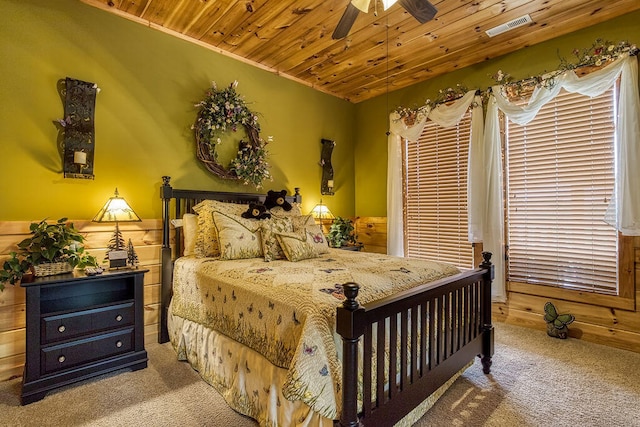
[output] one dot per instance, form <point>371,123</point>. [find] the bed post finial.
<point>165,180</point>
<point>351,293</point>
<point>296,195</point>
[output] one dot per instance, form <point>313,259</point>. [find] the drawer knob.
<point>61,359</point>
<point>61,328</point>
<point>119,344</point>
<point>119,318</point>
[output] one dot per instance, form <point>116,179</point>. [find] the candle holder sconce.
<point>77,127</point>
<point>327,184</point>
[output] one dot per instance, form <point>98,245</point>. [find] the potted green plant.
<point>342,233</point>
<point>51,249</point>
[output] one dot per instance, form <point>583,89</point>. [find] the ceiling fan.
<point>422,10</point>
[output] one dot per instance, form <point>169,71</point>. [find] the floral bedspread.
<point>286,310</point>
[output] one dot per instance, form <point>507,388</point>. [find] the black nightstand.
<point>82,326</point>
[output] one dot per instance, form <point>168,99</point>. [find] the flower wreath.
<point>221,111</point>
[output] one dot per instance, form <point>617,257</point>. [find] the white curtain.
<point>444,115</point>
<point>624,210</point>
<point>625,204</point>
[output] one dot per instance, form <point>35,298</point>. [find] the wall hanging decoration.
<point>77,127</point>
<point>222,111</point>
<point>326,186</point>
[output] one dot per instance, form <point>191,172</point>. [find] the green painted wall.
<point>372,115</point>
<point>149,84</point>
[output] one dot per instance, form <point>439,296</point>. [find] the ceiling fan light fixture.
<point>362,5</point>
<point>386,4</point>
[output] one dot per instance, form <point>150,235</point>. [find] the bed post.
<point>350,327</point>
<point>296,196</point>
<point>165,292</point>
<point>487,327</point>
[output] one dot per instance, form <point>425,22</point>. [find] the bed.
<point>301,343</point>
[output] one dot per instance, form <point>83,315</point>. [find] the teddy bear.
<point>256,211</point>
<point>277,198</point>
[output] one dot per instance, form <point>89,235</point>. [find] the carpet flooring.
<point>536,380</point>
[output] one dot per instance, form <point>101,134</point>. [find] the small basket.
<point>52,268</point>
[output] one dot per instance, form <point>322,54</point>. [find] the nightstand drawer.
<point>70,325</point>
<point>63,356</point>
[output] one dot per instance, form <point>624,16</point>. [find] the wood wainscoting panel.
<point>597,317</point>
<point>372,232</point>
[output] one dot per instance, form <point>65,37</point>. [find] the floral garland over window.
<point>412,115</point>
<point>600,52</point>
<point>221,111</point>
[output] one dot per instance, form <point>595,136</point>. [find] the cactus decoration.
<point>557,323</point>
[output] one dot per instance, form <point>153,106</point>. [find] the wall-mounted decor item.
<point>326,187</point>
<point>118,210</point>
<point>78,127</point>
<point>221,111</point>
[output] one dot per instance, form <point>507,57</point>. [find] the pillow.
<point>301,221</point>
<point>190,233</point>
<point>270,245</point>
<point>206,244</point>
<point>278,211</point>
<point>297,246</point>
<point>239,238</point>
<point>317,238</point>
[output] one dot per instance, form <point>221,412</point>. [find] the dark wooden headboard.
<point>182,202</point>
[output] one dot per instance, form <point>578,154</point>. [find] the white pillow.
<point>189,232</point>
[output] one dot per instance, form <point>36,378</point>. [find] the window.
<point>559,178</point>
<point>436,194</point>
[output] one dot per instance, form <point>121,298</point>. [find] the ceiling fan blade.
<point>422,10</point>
<point>348,18</point>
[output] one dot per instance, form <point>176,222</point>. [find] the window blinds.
<point>436,194</point>
<point>560,176</point>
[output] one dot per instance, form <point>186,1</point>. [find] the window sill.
<point>592,298</point>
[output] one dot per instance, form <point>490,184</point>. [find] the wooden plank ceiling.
<point>293,37</point>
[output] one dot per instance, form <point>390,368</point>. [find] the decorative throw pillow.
<point>316,236</point>
<point>270,245</point>
<point>278,211</point>
<point>190,233</point>
<point>297,246</point>
<point>239,238</point>
<point>301,221</point>
<point>206,239</point>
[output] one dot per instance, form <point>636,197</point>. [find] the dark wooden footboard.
<point>431,331</point>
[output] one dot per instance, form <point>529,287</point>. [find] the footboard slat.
<point>366,370</point>
<point>424,357</point>
<point>428,334</point>
<point>404,336</point>
<point>415,358</point>
<point>393,356</point>
<point>433,346</point>
<point>380,363</point>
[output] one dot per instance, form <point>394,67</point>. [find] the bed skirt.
<point>251,384</point>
